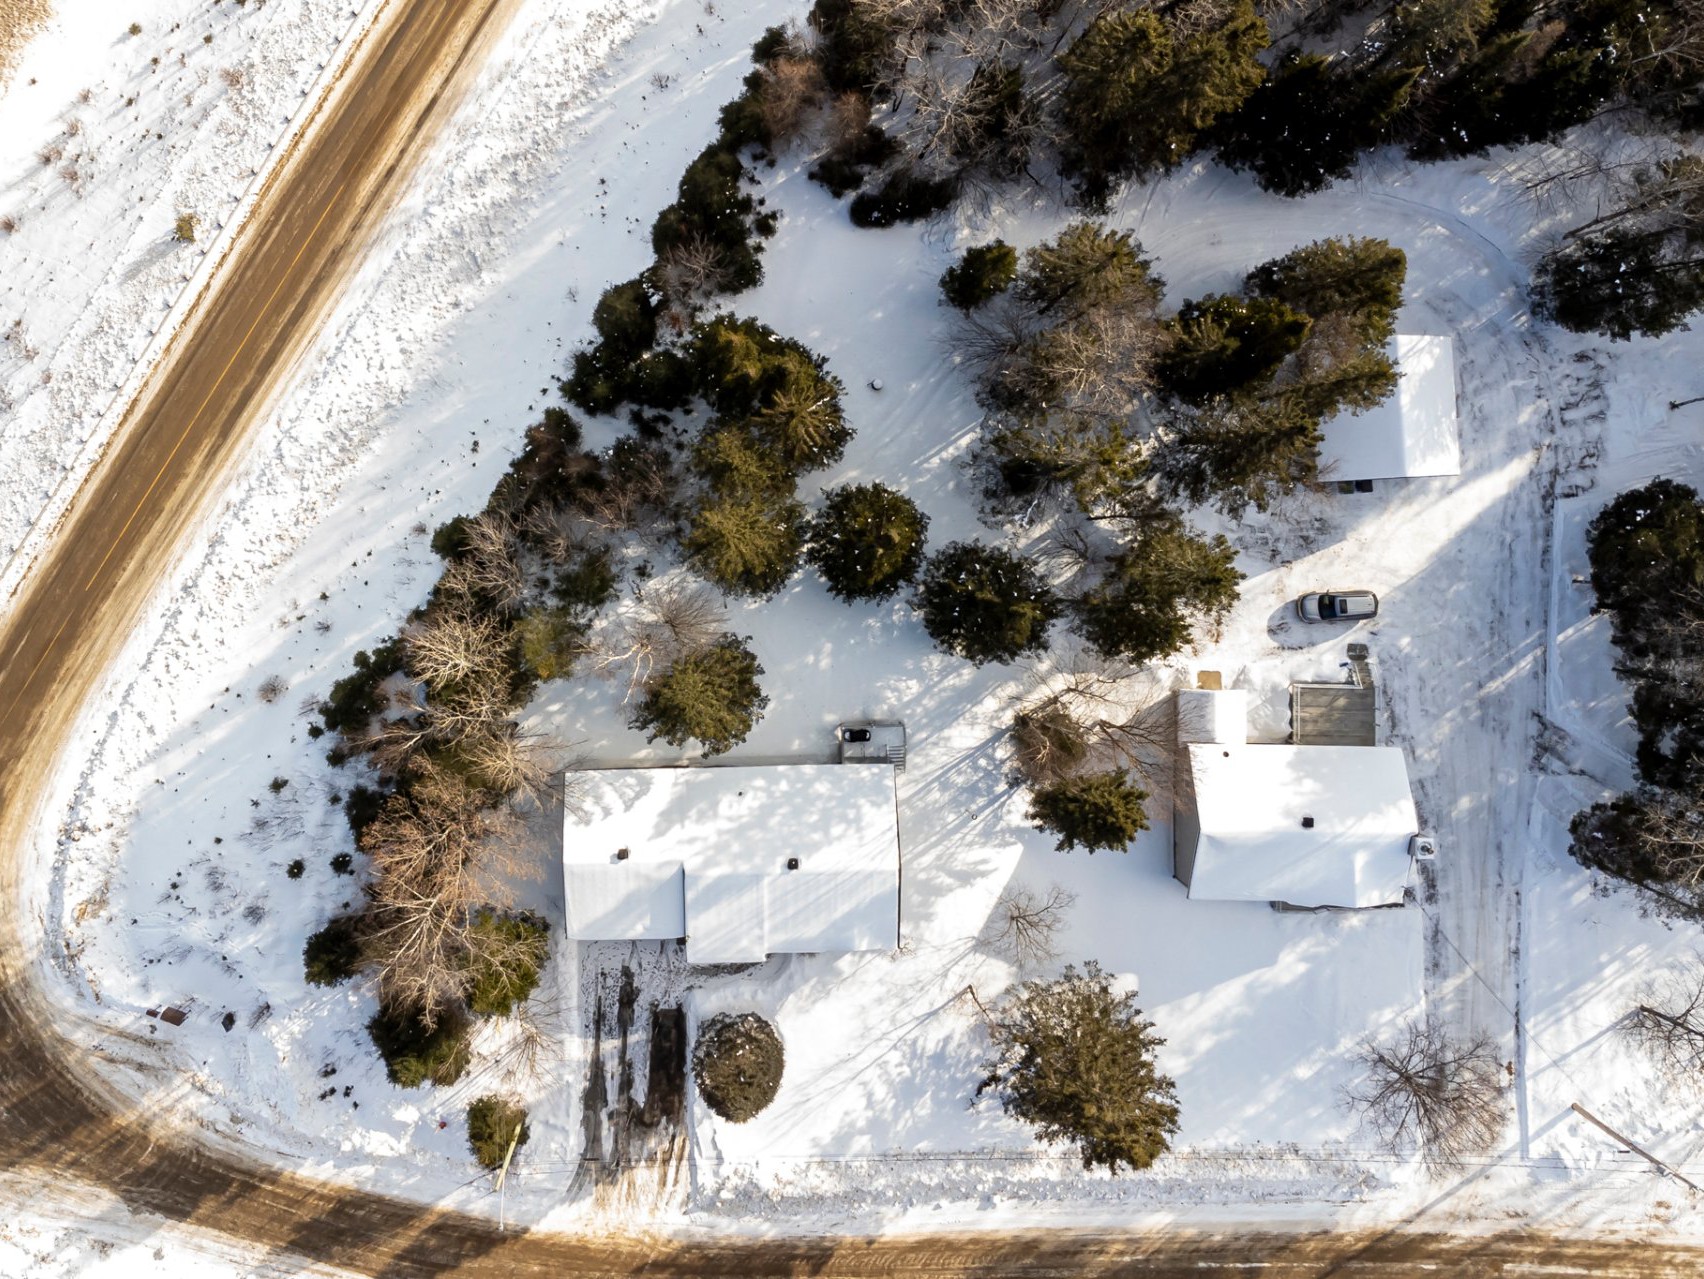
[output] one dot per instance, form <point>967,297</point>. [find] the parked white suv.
<point>1337,606</point>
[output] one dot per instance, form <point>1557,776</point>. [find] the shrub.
<point>550,640</point>
<point>334,953</point>
<point>450,539</point>
<point>361,806</point>
<point>492,1124</point>
<point>1096,811</point>
<point>713,208</point>
<point>355,698</point>
<point>711,696</point>
<point>867,541</point>
<point>985,604</point>
<point>296,869</point>
<point>415,1054</point>
<point>737,1065</point>
<point>343,863</point>
<point>506,954</point>
<point>983,273</point>
<point>906,196</point>
<point>183,230</point>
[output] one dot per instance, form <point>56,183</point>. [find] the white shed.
<point>1305,825</point>
<point>742,861</point>
<point>1413,433</point>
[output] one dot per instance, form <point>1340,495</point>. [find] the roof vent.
<point>621,854</point>
<point>792,863</point>
<point>1307,823</point>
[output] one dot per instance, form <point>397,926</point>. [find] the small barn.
<point>742,861</point>
<point>1299,825</point>
<point>1413,433</point>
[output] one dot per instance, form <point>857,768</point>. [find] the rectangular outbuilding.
<point>1413,433</point>
<point>742,861</point>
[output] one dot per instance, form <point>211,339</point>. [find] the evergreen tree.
<point>495,1126</point>
<point>985,604</point>
<point>746,545</point>
<point>1646,549</point>
<point>1085,268</point>
<point>1143,608</point>
<point>800,418</point>
<point>1619,281</point>
<point>1096,811</point>
<point>1138,93</point>
<point>984,272</point>
<point>1095,462</point>
<point>712,696</point>
<point>867,541</point>
<point>1305,126</point>
<point>1239,450</point>
<point>1075,1060</point>
<point>1360,279</point>
<point>713,208</point>
<point>1222,344</point>
<point>730,457</point>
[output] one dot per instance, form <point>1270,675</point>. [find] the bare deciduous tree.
<point>452,649</point>
<point>437,854</point>
<point>1093,714</point>
<point>670,622</point>
<point>1424,1087</point>
<point>489,568</point>
<point>1026,924</point>
<point>1668,1022</point>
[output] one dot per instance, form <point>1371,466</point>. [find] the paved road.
<point>68,621</point>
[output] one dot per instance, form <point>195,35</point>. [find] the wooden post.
<point>1634,1146</point>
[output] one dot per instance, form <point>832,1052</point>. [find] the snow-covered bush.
<point>737,1064</point>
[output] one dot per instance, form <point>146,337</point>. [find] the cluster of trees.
<point>1647,558</point>
<point>433,713</point>
<point>1293,90</point>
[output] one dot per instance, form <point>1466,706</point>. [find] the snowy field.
<point>166,880</point>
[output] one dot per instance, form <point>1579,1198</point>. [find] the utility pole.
<point>1634,1146</point>
<point>503,1176</point>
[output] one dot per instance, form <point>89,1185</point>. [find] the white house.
<point>1413,433</point>
<point>1304,825</point>
<point>743,862</point>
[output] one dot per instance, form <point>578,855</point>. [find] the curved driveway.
<point>67,623</point>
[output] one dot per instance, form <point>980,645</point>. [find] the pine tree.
<point>1646,548</point>
<point>711,696</point>
<point>736,464</point>
<point>1138,94</point>
<point>867,541</point>
<point>1240,451</point>
<point>1075,1060</point>
<point>983,272</point>
<point>1096,811</point>
<point>1307,124</point>
<point>746,545</point>
<point>1221,344</point>
<point>1360,279</point>
<point>1143,607</point>
<point>985,604</point>
<point>1619,281</point>
<point>1086,267</point>
<point>799,417</point>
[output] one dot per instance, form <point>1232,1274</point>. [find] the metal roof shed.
<point>742,861</point>
<point>1304,825</point>
<point>1413,433</point>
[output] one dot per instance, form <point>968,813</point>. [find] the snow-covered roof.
<point>1411,434</point>
<point>1212,715</point>
<point>707,851</point>
<point>1251,802</point>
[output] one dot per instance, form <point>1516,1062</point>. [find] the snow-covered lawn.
<point>167,881</point>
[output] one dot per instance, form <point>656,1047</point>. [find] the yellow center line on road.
<point>229,364</point>
<point>44,652</point>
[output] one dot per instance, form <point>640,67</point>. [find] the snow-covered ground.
<point>166,882</point>
<point>113,127</point>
